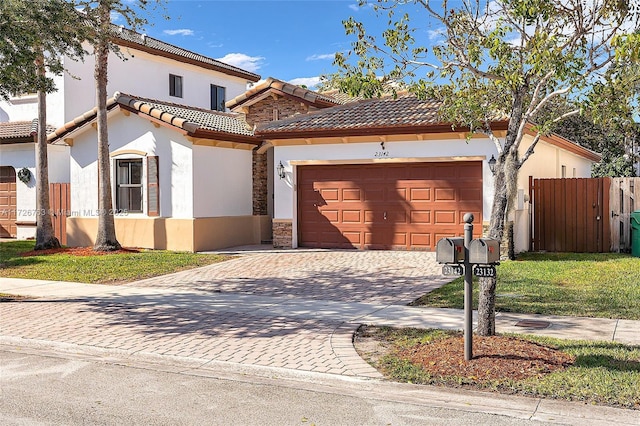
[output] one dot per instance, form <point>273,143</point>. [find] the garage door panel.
<point>445,194</point>
<point>352,216</point>
<point>445,217</point>
<point>469,172</point>
<point>354,237</point>
<point>444,171</point>
<point>374,195</point>
<point>331,215</point>
<point>423,202</point>
<point>421,217</point>
<point>329,194</point>
<point>351,194</point>
<point>420,194</point>
<point>420,240</point>
<point>395,217</point>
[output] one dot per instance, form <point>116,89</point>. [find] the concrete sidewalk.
<point>576,328</point>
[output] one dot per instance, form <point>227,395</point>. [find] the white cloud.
<point>321,57</point>
<point>309,82</point>
<point>355,7</point>
<point>246,62</point>
<point>182,31</point>
<point>435,34</point>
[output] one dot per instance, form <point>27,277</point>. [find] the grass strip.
<point>576,284</point>
<point>110,268</point>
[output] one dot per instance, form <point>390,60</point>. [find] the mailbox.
<point>484,251</point>
<point>450,250</point>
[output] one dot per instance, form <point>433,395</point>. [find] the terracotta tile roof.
<point>405,114</point>
<point>78,122</point>
<point>341,98</point>
<point>283,88</point>
<point>129,38</point>
<point>196,122</point>
<point>19,131</point>
<point>188,118</point>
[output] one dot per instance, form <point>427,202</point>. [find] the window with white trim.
<point>129,185</point>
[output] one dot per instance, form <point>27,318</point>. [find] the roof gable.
<point>278,87</point>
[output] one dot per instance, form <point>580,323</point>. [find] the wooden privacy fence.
<point>60,203</point>
<point>590,215</point>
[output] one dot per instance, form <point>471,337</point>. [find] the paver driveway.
<point>338,275</point>
<point>293,309</point>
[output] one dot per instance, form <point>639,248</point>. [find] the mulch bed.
<point>496,357</point>
<point>77,251</point>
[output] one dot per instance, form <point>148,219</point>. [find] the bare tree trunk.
<point>505,185</point>
<point>106,238</point>
<point>45,238</point>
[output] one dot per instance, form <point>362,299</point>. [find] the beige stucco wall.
<point>175,234</point>
<point>152,233</point>
<point>213,233</point>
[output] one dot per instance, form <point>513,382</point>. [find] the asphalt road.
<point>50,387</point>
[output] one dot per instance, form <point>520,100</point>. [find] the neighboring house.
<point>387,174</point>
<point>18,211</point>
<point>147,67</point>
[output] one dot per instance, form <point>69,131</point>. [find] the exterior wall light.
<point>492,165</point>
<point>280,170</point>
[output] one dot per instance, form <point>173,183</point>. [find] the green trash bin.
<point>635,233</point>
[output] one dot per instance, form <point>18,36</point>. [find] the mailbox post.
<point>468,257</point>
<point>468,289</point>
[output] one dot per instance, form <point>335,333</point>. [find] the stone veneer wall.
<point>262,111</point>
<point>282,233</point>
<point>260,188</point>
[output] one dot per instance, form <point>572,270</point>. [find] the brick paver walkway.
<point>240,311</point>
<point>341,275</point>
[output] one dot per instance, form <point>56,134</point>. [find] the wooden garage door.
<point>7,202</point>
<point>387,206</point>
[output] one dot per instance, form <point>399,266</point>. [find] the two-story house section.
<point>146,67</point>
<point>154,69</point>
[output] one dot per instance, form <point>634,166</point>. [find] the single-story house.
<point>388,174</point>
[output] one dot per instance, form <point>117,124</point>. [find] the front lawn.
<point>574,284</point>
<point>595,372</point>
<point>108,268</point>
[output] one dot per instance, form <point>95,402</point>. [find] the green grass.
<point>576,284</point>
<point>112,268</point>
<point>603,372</point>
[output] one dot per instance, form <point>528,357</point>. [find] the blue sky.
<point>292,40</point>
